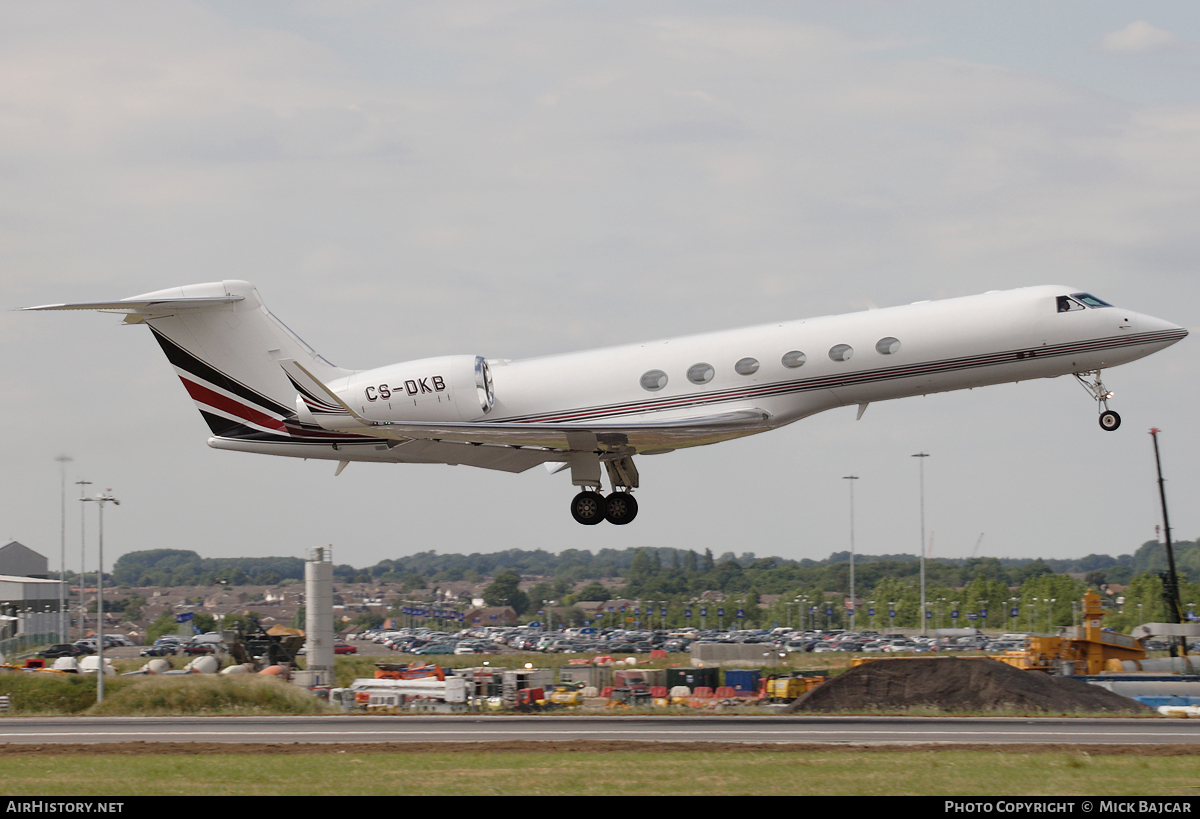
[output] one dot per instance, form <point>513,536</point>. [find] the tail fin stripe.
<point>185,361</point>
<point>203,395</point>
<point>223,427</point>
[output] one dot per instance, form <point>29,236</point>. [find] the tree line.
<point>649,570</point>
<point>1024,594</point>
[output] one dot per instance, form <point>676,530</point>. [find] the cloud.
<point>1140,36</point>
<point>519,178</point>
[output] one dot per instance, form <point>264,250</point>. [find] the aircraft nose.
<point>1159,332</point>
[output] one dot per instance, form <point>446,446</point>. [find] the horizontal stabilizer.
<point>144,306</point>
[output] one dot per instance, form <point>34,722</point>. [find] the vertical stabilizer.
<point>225,346</point>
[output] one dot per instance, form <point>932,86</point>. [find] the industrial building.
<point>29,599</point>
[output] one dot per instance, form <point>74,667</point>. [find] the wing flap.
<point>628,437</point>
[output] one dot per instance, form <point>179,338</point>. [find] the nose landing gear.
<point>1109,420</point>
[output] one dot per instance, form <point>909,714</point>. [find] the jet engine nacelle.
<point>447,388</point>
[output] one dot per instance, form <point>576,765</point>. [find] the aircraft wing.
<point>624,437</point>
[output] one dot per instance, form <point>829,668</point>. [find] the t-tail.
<point>227,349</point>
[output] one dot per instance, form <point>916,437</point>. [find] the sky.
<point>512,178</point>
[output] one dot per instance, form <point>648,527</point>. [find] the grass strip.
<point>482,771</point>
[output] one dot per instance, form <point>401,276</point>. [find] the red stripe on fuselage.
<point>203,395</point>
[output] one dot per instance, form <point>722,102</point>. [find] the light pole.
<point>853,602</point>
<point>100,499</point>
<point>924,620</point>
<point>82,561</point>
<point>64,622</point>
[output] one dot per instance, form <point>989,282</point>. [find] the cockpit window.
<point>1066,304</point>
<point>1090,300</point>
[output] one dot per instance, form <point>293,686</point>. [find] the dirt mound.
<point>960,684</point>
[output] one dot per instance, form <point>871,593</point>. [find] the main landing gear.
<point>590,507</point>
<point>1109,420</point>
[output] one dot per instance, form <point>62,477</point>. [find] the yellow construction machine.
<point>1078,650</point>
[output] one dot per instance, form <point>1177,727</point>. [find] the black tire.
<point>588,508</point>
<point>620,508</point>
<point>1109,420</point>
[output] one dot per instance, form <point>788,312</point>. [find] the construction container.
<point>639,678</point>
<point>513,681</point>
<point>594,676</point>
<point>482,681</point>
<point>709,677</point>
<point>742,680</point>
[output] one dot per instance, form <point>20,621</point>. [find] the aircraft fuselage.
<point>261,389</point>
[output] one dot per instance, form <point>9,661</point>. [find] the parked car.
<point>203,644</point>
<point>60,650</point>
<point>161,650</point>
<point>342,647</point>
<point>434,648</point>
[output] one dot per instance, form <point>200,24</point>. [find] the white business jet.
<point>261,389</point>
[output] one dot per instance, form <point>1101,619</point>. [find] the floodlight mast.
<point>100,499</point>
<point>924,618</point>
<point>82,559</point>
<point>64,621</point>
<point>853,601</point>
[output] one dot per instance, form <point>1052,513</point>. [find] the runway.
<point>492,729</point>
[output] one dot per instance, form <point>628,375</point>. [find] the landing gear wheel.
<point>588,508</point>
<point>620,508</point>
<point>1109,420</point>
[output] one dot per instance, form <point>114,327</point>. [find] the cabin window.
<point>841,352</point>
<point>1090,300</point>
<point>1066,304</point>
<point>654,380</point>
<point>794,359</point>
<point>701,373</point>
<point>887,346</point>
<point>747,366</point>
